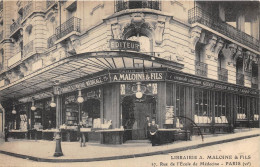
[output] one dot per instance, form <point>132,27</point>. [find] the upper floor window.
<point>145,45</point>
<point>133,4</point>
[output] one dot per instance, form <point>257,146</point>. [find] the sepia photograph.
<point>129,83</point>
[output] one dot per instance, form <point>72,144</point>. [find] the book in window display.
<point>71,114</point>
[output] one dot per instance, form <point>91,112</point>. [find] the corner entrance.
<point>134,113</point>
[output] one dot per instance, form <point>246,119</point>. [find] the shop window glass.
<point>254,113</point>
<point>91,113</point>
<point>241,108</point>
<point>71,110</point>
<point>50,116</point>
<point>37,116</point>
<point>203,112</point>
<point>180,102</point>
<point>221,113</point>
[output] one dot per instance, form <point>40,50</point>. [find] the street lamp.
<point>80,99</point>
<point>53,104</point>
<point>56,91</point>
<point>13,111</point>
<point>33,108</point>
<point>139,93</point>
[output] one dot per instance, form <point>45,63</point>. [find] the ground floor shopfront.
<point>116,104</point>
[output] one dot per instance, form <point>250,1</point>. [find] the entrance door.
<point>134,116</point>
<point>141,111</point>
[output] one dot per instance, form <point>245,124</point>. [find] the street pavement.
<point>247,151</point>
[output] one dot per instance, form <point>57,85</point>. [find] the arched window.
<point>145,43</point>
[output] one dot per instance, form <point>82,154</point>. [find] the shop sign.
<point>197,81</point>
<point>88,83</point>
<point>74,87</point>
<point>117,44</point>
<point>150,76</point>
<point>97,81</point>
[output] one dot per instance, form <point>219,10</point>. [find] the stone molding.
<point>195,33</point>
<point>152,27</point>
<point>208,49</point>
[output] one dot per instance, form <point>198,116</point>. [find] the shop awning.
<point>77,66</point>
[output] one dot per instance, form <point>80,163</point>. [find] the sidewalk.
<point>43,150</point>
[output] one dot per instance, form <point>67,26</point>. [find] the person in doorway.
<point>153,133</point>
<point>6,133</point>
<point>146,127</point>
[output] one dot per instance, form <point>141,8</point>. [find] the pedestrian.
<point>153,133</point>
<point>146,127</point>
<point>6,133</point>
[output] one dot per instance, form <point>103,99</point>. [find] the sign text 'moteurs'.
<point>116,44</point>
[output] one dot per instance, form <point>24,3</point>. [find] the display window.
<point>37,116</point>
<point>71,110</point>
<point>221,109</point>
<point>91,113</point>
<point>254,110</point>
<point>203,109</point>
<point>241,102</point>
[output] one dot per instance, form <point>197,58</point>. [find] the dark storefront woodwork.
<point>117,102</point>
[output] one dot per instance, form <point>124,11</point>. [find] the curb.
<point>126,156</point>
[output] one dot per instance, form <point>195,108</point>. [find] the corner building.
<point>192,65</point>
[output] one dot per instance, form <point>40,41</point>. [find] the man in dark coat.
<point>153,133</point>
<point>146,127</point>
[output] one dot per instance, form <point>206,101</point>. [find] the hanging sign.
<point>117,44</point>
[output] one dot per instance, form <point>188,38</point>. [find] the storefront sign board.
<point>209,84</point>
<point>117,44</point>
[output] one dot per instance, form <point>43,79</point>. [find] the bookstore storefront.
<point>112,106</point>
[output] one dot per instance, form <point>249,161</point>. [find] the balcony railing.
<point>201,69</point>
<point>28,9</point>
<point>203,17</point>
<point>49,3</point>
<point>73,24</point>
<point>254,82</point>
<point>1,35</point>
<point>28,48</point>
<point>123,4</point>
<point>16,25</point>
<point>240,79</point>
<point>51,40</point>
<point>222,74</point>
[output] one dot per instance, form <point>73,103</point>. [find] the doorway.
<point>134,113</point>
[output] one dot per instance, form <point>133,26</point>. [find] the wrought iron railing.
<point>28,9</point>
<point>1,35</point>
<point>28,48</point>
<point>201,69</point>
<point>49,3</point>
<point>16,25</point>
<point>128,4</point>
<point>1,5</point>
<point>254,82</point>
<point>51,40</point>
<point>240,79</point>
<point>203,17</point>
<point>73,24</point>
<point>222,74</point>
